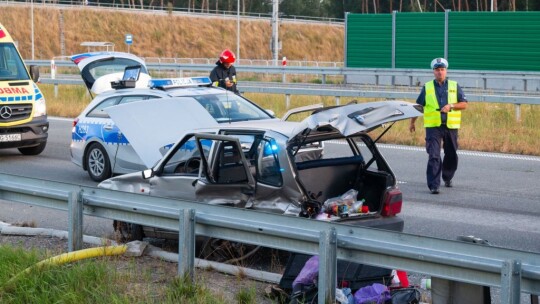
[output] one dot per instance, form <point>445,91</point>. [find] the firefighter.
<point>224,74</point>
<point>443,100</point>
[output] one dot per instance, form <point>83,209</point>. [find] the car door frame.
<point>208,190</point>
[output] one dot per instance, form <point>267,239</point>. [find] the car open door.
<point>225,177</point>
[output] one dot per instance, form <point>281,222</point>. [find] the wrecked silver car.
<point>273,166</point>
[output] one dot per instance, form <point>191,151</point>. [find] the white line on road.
<point>469,153</point>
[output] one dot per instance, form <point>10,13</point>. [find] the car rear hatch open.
<point>99,69</point>
<point>347,157</point>
<point>355,118</point>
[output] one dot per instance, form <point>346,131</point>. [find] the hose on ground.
<point>70,257</point>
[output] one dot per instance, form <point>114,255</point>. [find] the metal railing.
<point>516,88</point>
<point>490,81</point>
<point>512,270</point>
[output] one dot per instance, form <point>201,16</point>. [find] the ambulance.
<point>23,115</point>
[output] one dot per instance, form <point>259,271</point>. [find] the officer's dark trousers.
<point>448,166</point>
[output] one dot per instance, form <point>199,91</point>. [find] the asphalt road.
<point>495,196</point>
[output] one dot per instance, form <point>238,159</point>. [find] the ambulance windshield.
<point>11,65</point>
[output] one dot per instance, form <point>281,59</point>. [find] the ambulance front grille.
<point>14,112</point>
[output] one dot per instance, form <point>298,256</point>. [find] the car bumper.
<point>32,134</point>
<point>392,223</point>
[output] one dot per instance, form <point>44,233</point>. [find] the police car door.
<point>224,177</point>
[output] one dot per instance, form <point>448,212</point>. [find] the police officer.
<point>224,74</point>
<point>443,100</point>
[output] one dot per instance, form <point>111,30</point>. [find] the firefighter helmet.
<point>227,56</point>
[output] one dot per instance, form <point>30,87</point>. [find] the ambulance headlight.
<point>39,108</point>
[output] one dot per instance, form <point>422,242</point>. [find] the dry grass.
<point>71,100</point>
<point>168,36</point>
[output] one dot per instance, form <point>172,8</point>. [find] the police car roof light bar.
<point>168,83</point>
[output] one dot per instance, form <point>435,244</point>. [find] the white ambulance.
<point>23,115</point>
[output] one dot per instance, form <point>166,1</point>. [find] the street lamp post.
<point>238,30</point>
<point>32,27</point>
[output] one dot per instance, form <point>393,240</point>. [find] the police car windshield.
<point>11,65</point>
<point>231,107</point>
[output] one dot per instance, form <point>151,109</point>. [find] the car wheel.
<point>226,252</point>
<point>33,150</point>
<point>127,232</point>
<point>97,163</point>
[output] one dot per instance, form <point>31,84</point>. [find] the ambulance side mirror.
<point>34,73</point>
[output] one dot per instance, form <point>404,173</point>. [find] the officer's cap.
<point>439,63</point>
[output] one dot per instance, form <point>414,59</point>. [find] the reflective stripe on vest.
<point>432,117</point>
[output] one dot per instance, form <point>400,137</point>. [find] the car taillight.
<point>75,122</point>
<point>393,200</point>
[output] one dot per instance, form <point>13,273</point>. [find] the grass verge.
<point>104,280</point>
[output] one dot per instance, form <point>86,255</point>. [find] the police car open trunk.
<point>338,166</point>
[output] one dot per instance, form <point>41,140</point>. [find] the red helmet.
<point>227,56</point>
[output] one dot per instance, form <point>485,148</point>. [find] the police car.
<point>99,146</point>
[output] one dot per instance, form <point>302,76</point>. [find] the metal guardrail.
<point>521,82</point>
<point>376,83</point>
<point>511,270</point>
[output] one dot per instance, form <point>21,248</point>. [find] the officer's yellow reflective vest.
<point>432,117</point>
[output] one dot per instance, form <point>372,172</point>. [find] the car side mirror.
<point>148,173</point>
<point>34,73</point>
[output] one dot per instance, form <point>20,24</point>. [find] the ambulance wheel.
<point>97,163</point>
<point>127,232</point>
<point>33,150</point>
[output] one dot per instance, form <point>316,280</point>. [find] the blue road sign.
<point>129,39</point>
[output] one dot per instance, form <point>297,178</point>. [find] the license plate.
<point>10,137</point>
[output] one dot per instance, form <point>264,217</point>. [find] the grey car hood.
<point>152,124</point>
<point>356,118</point>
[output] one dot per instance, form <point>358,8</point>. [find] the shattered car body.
<point>273,166</point>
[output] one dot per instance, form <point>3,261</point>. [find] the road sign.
<point>129,39</point>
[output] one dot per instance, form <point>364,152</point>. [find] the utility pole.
<point>275,35</point>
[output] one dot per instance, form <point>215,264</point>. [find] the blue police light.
<point>270,148</point>
<point>166,83</point>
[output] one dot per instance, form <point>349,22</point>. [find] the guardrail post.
<point>186,244</point>
<point>327,266</point>
<point>338,100</point>
<point>511,282</point>
<point>323,78</point>
<point>75,221</point>
<point>287,101</point>
<point>517,106</point>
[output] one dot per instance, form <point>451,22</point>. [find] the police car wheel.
<point>192,165</point>
<point>33,150</point>
<point>97,163</point>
